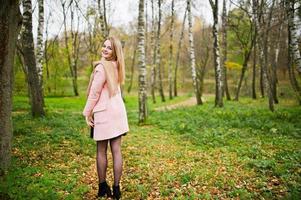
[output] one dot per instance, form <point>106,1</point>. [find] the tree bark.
<point>39,50</point>
<point>224,35</point>
<point>10,20</point>
<point>158,60</point>
<point>262,46</point>
<point>178,54</point>
<point>170,66</point>
<point>103,27</point>
<point>291,50</point>
<point>154,56</point>
<point>254,71</point>
<point>142,68</point>
<point>247,54</point>
<point>192,55</point>
<point>290,6</point>
<point>254,21</point>
<point>216,53</point>
<point>70,53</point>
<point>36,93</point>
<point>132,70</point>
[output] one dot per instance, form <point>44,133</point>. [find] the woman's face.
<point>107,50</point>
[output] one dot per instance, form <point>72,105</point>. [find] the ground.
<point>183,151</point>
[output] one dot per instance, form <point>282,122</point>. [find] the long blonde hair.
<point>118,56</point>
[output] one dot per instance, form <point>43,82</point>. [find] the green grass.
<point>266,143</point>
<point>240,151</point>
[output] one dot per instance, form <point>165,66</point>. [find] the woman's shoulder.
<point>101,64</point>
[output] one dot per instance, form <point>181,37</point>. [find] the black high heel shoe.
<point>104,190</point>
<point>116,192</point>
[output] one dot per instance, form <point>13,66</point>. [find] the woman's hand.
<point>90,121</point>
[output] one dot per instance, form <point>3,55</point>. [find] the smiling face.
<point>107,50</point>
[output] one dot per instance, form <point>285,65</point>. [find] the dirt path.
<point>189,102</point>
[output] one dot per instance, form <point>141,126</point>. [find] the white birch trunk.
<point>142,68</point>
<point>36,93</point>
<point>40,48</point>
<point>170,66</point>
<point>294,34</point>
<point>154,56</point>
<point>192,54</point>
<point>158,60</point>
<point>216,53</point>
<point>178,54</point>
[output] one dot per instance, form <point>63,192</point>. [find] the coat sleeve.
<point>95,90</point>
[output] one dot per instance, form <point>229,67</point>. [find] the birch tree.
<point>102,18</point>
<point>254,21</point>
<point>192,54</point>
<point>10,21</point>
<point>225,48</point>
<point>40,49</point>
<point>142,68</point>
<point>154,55</point>
<point>178,54</point>
<point>132,67</point>
<point>291,16</point>
<point>72,54</point>
<point>170,66</point>
<point>292,54</point>
<point>263,26</point>
<point>158,60</point>
<point>216,53</point>
<point>36,94</point>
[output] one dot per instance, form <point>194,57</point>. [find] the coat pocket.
<point>100,117</point>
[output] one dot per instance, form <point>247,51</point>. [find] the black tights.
<point>102,162</point>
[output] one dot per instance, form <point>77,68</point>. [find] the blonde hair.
<point>118,56</point>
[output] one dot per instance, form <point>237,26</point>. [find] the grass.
<point>241,151</point>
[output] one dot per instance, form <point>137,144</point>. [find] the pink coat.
<point>110,118</point>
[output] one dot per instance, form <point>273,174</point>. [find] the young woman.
<point>105,112</point>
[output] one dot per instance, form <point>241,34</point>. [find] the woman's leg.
<point>117,159</point>
<point>101,160</point>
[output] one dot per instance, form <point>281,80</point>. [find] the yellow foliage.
<point>233,65</point>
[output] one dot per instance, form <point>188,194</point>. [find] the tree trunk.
<point>254,71</point>
<point>39,50</point>
<point>154,47</point>
<point>70,58</point>
<point>10,20</point>
<point>224,35</point>
<point>263,45</point>
<point>192,55</point>
<point>291,49</point>
<point>132,70</point>
<point>202,71</point>
<point>158,61</point>
<point>275,64</point>
<point>46,56</point>
<point>146,34</point>
<point>243,70</point>
<point>142,67</point>
<point>102,17</point>
<point>254,21</point>
<point>178,54</point>
<point>261,82</point>
<point>217,65</point>
<point>36,93</point>
<point>170,66</point>
<point>290,6</point>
